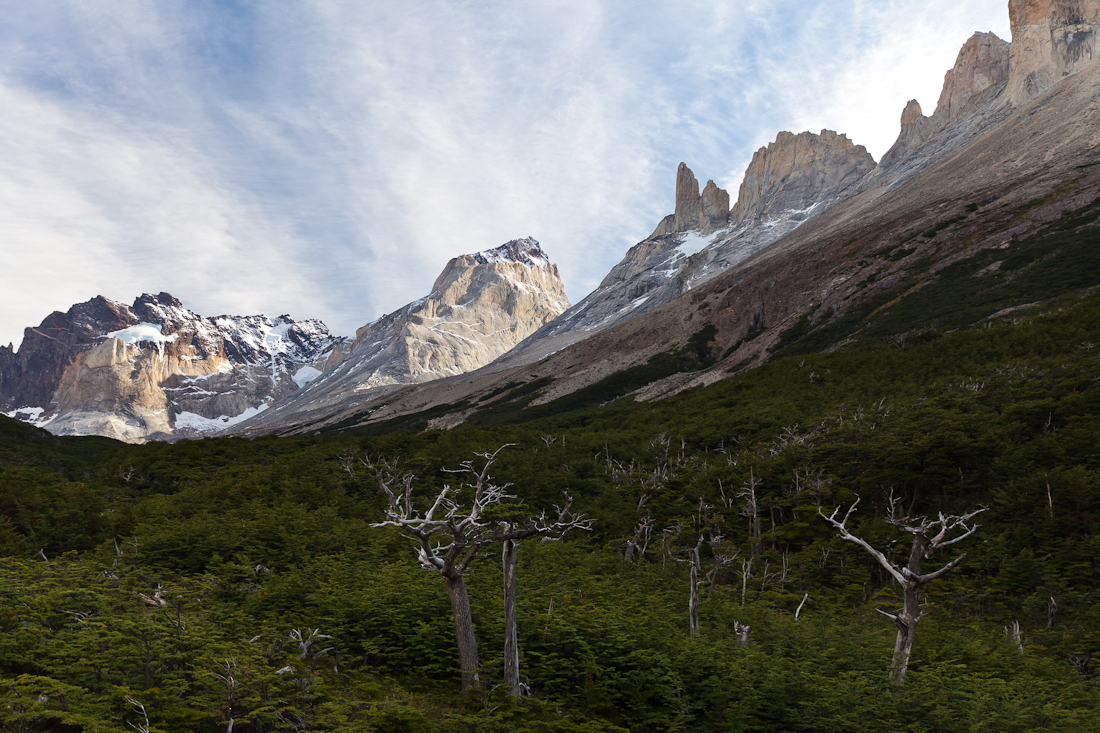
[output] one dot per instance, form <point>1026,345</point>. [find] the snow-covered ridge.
<point>525,251</point>
<point>244,340</point>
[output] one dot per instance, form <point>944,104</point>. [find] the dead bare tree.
<point>708,533</point>
<point>449,535</point>
<point>751,511</point>
<point>638,544</point>
<point>929,536</point>
<point>453,531</point>
<point>510,533</point>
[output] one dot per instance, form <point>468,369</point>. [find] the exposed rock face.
<point>1051,39</point>
<point>480,306</point>
<point>716,207</point>
<point>976,150</point>
<point>705,213</point>
<point>30,377</point>
<point>798,172</point>
<point>915,131</point>
<point>789,181</point>
<point>981,64</point>
<point>156,369</point>
<point>971,101</point>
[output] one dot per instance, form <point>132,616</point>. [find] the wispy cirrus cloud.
<point>327,158</point>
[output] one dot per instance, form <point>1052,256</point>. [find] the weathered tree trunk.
<point>906,622</point>
<point>511,644</point>
<point>757,533</point>
<point>910,614</point>
<point>464,629</point>
<point>693,600</point>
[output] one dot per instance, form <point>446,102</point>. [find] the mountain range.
<point>822,247</point>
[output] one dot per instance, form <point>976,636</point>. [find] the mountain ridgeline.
<point>158,371</point>
<point>747,445</point>
<point>823,247</point>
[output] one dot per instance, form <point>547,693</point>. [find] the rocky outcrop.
<point>156,369</point>
<point>705,213</point>
<point>982,63</point>
<point>790,181</point>
<point>480,306</point>
<point>798,172</point>
<point>29,377</point>
<point>970,102</point>
<point>916,129</point>
<point>1051,39</point>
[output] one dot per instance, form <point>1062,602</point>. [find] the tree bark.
<point>907,632</point>
<point>511,644</point>
<point>910,614</point>
<point>693,600</point>
<point>464,629</point>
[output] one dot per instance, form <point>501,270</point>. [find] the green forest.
<point>232,584</point>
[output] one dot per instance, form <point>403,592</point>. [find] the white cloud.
<point>326,159</point>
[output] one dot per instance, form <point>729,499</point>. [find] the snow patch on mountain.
<point>144,332</point>
<point>305,375</point>
<point>30,415</point>
<point>200,424</point>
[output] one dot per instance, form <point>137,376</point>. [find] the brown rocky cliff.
<point>687,188</point>
<point>980,69</point>
<point>916,129</point>
<point>716,203</point>
<point>797,172</point>
<point>981,64</point>
<point>1051,39</point>
<point>30,378</point>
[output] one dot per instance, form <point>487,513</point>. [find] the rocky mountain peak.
<point>474,276</point>
<point>706,213</point>
<point>912,114</point>
<point>526,251</point>
<point>1051,39</point>
<point>982,63</point>
<point>797,172</point>
<point>481,306</point>
<point>155,369</point>
<point>687,188</point>
<point>716,206</point>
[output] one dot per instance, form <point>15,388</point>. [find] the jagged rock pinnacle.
<point>706,213</point>
<point>687,188</point>
<point>982,63</point>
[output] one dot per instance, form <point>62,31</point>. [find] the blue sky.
<point>326,158</point>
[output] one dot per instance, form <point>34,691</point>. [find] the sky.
<point>326,158</point>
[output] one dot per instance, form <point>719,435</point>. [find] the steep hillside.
<point>787,183</point>
<point>988,205</point>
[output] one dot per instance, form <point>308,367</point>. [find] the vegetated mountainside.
<point>155,370</point>
<point>480,306</point>
<point>247,584</point>
<point>989,204</point>
<point>124,593</point>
